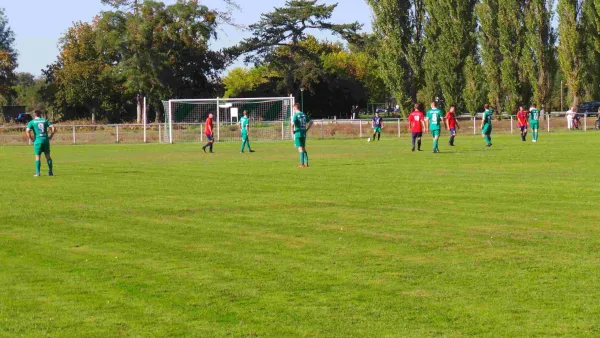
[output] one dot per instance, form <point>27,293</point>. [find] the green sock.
<point>435,144</point>
<point>248,143</point>
<point>49,165</point>
<point>243,146</point>
<point>38,166</point>
<point>487,139</point>
<point>537,135</point>
<point>301,158</point>
<point>305,158</point>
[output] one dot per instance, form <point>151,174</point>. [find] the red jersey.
<point>209,126</point>
<point>451,118</point>
<point>522,117</point>
<point>415,118</point>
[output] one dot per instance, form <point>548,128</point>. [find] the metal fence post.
<point>159,134</point>
<point>201,133</point>
<point>117,128</point>
<point>322,129</point>
<point>474,125</point>
<point>548,120</point>
<point>585,122</point>
<point>74,135</point>
<point>398,127</point>
<point>511,124</point>
<point>282,131</point>
<point>145,118</point>
<point>360,127</point>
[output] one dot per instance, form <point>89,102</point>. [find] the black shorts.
<point>419,134</point>
<point>209,137</point>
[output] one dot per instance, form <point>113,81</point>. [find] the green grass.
<point>370,241</point>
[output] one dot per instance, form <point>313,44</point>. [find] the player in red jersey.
<point>522,120</point>
<point>416,119</point>
<point>208,131</point>
<point>452,123</point>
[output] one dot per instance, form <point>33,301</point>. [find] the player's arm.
<point>29,134</point>
<point>52,131</point>
<point>426,123</point>
<point>309,125</point>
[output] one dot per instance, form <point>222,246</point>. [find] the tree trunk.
<point>140,107</point>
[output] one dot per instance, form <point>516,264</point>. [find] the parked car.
<point>23,118</point>
<point>590,108</point>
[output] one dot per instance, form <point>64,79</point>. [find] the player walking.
<point>416,119</point>
<point>435,118</point>
<point>41,140</point>
<point>300,125</point>
<point>244,126</point>
<point>522,115</point>
<point>452,124</point>
<point>534,122</point>
<point>377,124</point>
<point>208,131</point>
<point>486,125</point>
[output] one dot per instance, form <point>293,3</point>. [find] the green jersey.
<point>244,121</point>
<point>487,117</point>
<point>300,121</point>
<point>435,117</point>
<point>40,128</point>
<point>534,115</point>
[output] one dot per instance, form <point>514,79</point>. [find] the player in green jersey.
<point>433,121</point>
<point>245,127</point>
<point>486,125</point>
<point>300,125</point>
<point>37,131</point>
<point>534,122</point>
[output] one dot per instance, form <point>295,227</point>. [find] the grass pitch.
<point>370,241</point>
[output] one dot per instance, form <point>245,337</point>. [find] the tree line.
<point>460,52</point>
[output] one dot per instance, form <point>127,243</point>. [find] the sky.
<point>39,24</point>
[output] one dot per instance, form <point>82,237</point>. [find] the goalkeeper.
<point>244,126</point>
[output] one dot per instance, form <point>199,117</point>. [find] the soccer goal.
<point>269,118</point>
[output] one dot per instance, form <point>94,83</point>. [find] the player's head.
<point>452,108</point>
<point>416,107</point>
<point>533,105</point>
<point>245,113</point>
<point>377,114</point>
<point>37,113</point>
<point>296,107</point>
<point>433,104</point>
<point>521,108</point>
<point>210,115</point>
<point>486,106</point>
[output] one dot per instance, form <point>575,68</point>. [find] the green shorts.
<point>377,130</point>
<point>486,130</point>
<point>41,147</point>
<point>534,125</point>
<point>299,140</point>
<point>244,135</point>
<point>435,133</point>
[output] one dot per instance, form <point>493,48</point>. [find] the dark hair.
<point>434,104</point>
<point>486,106</point>
<point>452,106</point>
<point>416,106</point>
<point>37,113</point>
<point>297,106</point>
<point>533,105</point>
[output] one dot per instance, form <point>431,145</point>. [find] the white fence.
<point>260,131</point>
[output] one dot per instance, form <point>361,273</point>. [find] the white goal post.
<point>269,118</point>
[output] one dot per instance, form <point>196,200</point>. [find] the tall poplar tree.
<point>571,52</point>
<point>489,40</point>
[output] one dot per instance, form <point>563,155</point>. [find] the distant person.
<point>416,120</point>
<point>534,122</point>
<point>452,124</point>
<point>37,131</point>
<point>245,127</point>
<point>522,116</point>
<point>300,125</point>
<point>208,131</point>
<point>377,124</point>
<point>570,114</point>
<point>435,118</point>
<point>486,125</point>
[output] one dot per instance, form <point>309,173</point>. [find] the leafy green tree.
<point>8,57</point>
<point>450,39</point>
<point>399,32</point>
<point>475,90</point>
<point>243,80</point>
<point>571,29</point>
<point>277,39</point>
<point>540,55</point>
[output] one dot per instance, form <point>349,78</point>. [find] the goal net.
<point>269,119</point>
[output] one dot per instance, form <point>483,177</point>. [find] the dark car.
<point>590,108</point>
<point>23,118</point>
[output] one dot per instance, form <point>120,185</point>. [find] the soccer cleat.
<point>305,165</point>
<point>252,151</point>
<point>203,148</point>
<point>533,141</point>
<point>50,174</point>
<point>413,148</point>
<point>36,175</point>
<point>301,166</point>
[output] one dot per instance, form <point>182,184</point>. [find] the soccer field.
<point>371,241</point>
